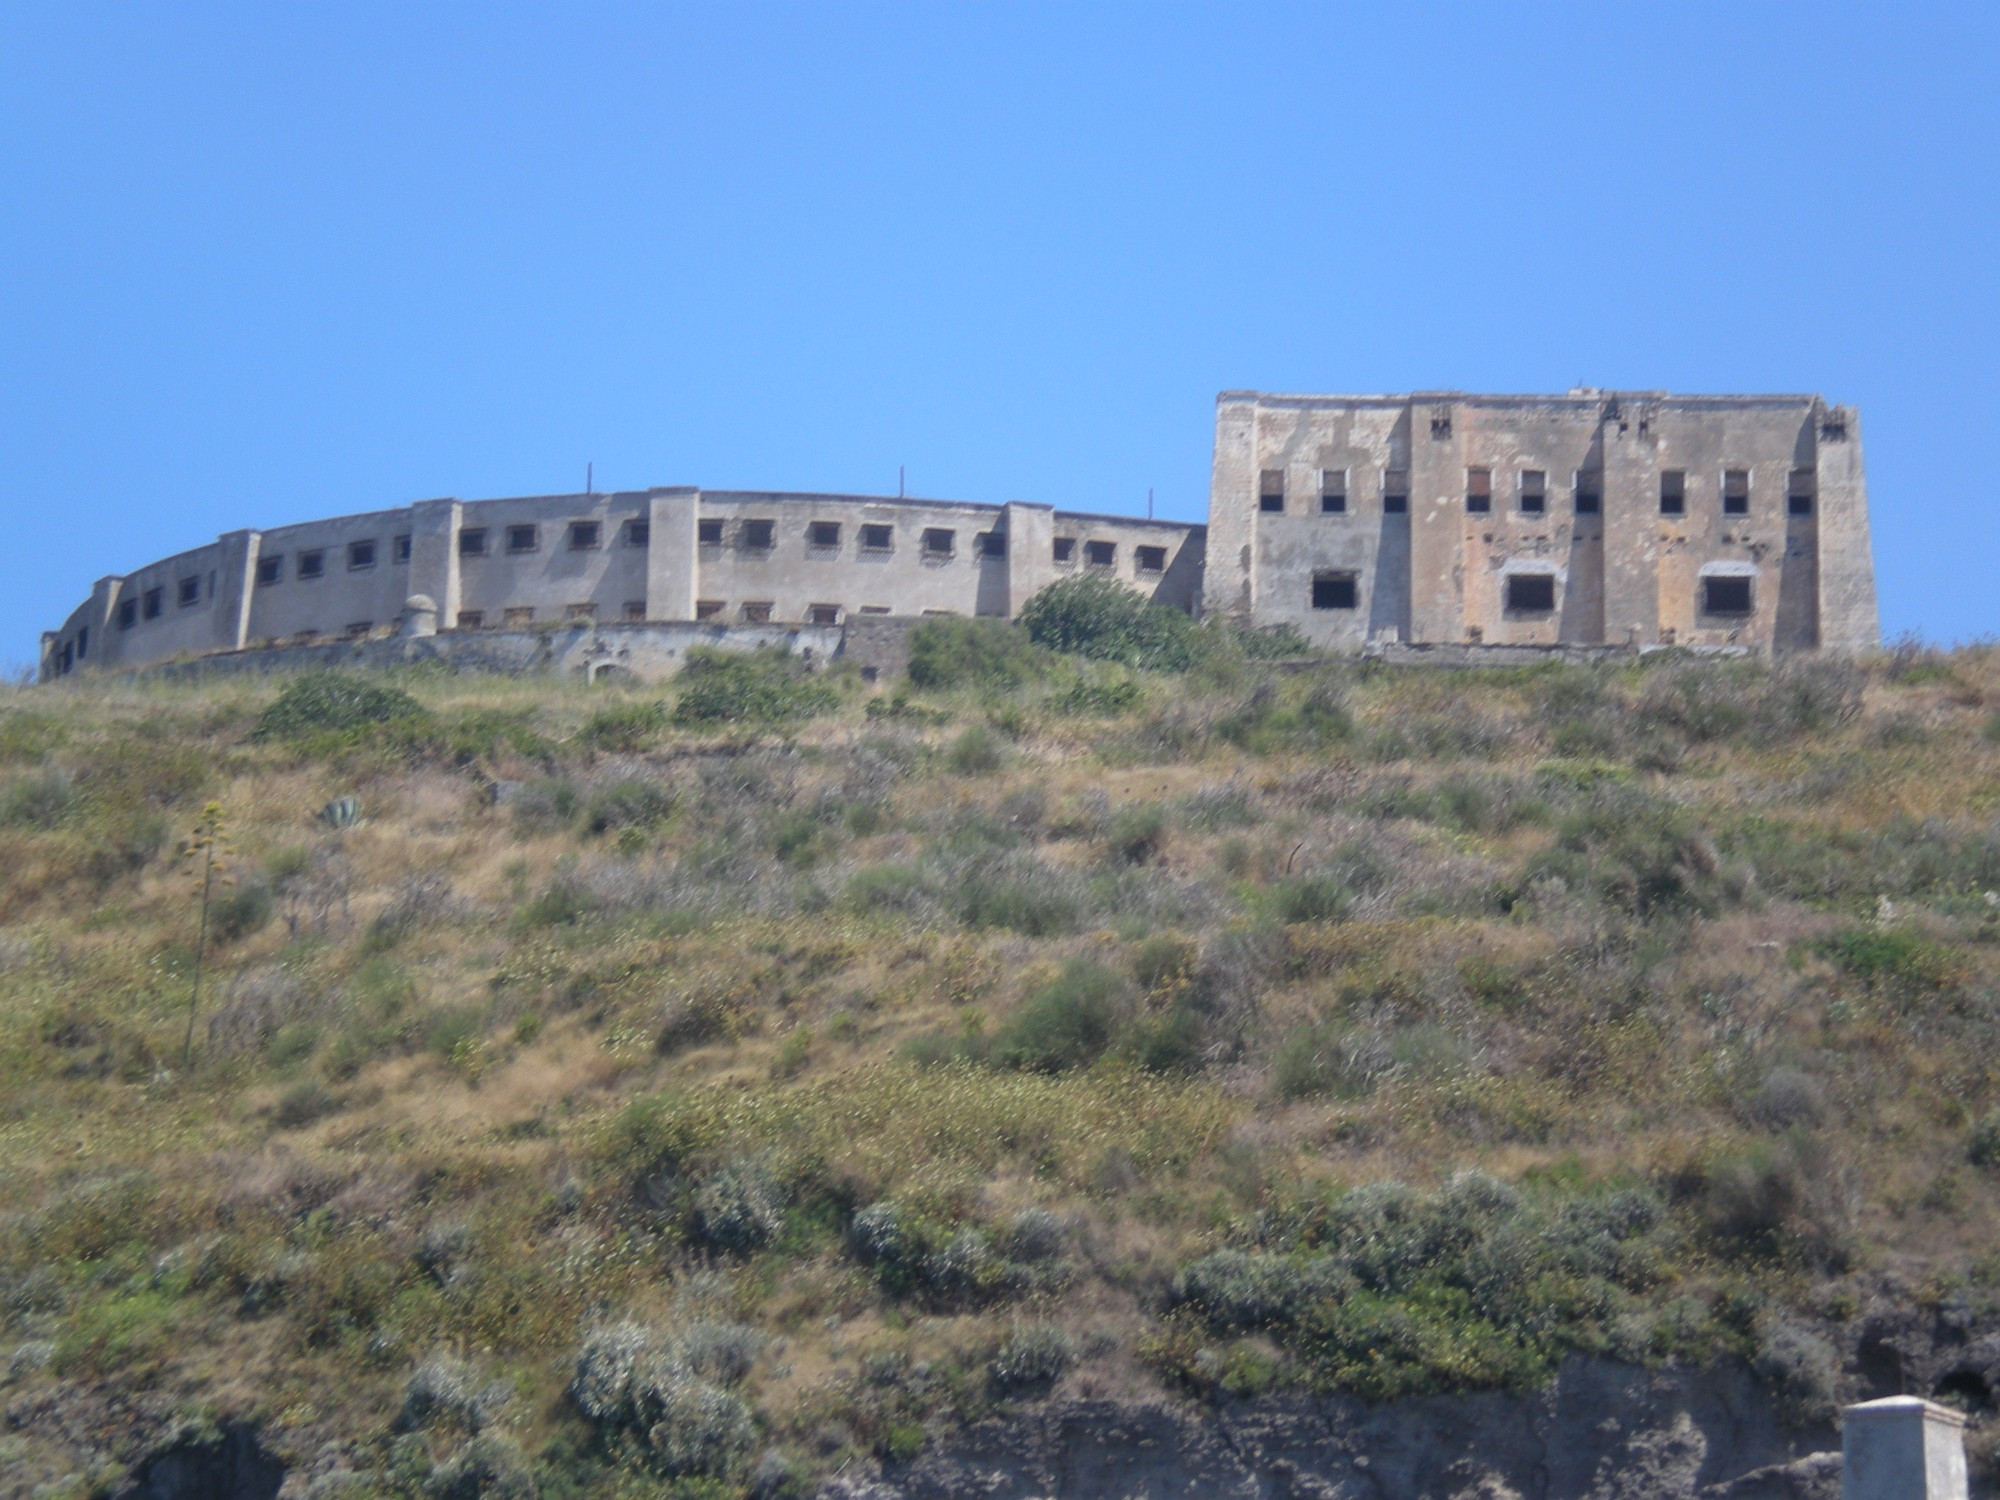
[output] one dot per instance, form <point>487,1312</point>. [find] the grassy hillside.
<point>710,1086</point>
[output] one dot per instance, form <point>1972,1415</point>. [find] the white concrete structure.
<point>1902,1448</point>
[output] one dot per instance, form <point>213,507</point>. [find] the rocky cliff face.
<point>1601,1431</point>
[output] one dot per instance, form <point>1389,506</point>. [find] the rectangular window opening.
<point>399,548</point>
<point>1065,549</point>
<point>128,613</point>
<point>1726,594</point>
<point>1736,492</point>
<point>471,619</point>
<point>1478,491</point>
<point>155,601</point>
<point>1100,554</point>
<point>189,593</point>
<point>1271,491</point>
<point>707,609</point>
<point>584,612</point>
<point>757,611</point>
<point>939,543</point>
<point>525,538</point>
<point>1531,593</point>
<point>1534,491</point>
<point>520,617</point>
<point>822,614</point>
<point>875,609</point>
<point>472,542</point>
<point>823,533</point>
<point>1673,492</point>
<point>270,570</point>
<point>991,543</point>
<point>1799,494</point>
<point>639,533</point>
<point>1332,491</point>
<point>584,536</point>
<point>878,538</point>
<point>759,536</point>
<point>312,564</point>
<point>1150,559</point>
<point>1589,493</point>
<point>708,533</point>
<point>1336,591</point>
<point>360,556</point>
<point>635,610</point>
<point>1395,492</point>
<point>82,642</point>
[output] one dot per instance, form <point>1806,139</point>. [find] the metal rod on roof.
<point>1149,502</point>
<point>589,477</point>
<point>899,481</point>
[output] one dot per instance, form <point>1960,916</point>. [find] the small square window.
<point>1150,559</point>
<point>1799,493</point>
<point>1065,549</point>
<point>188,592</point>
<point>707,609</point>
<point>1271,491</point>
<point>1332,491</point>
<point>155,601</point>
<point>823,534</point>
<point>822,614</point>
<point>635,610</point>
<point>1395,492</point>
<point>639,533</point>
<point>524,538</point>
<point>270,570</point>
<point>1736,492</point>
<point>990,544</point>
<point>878,538</point>
<point>1531,593</point>
<point>875,609</point>
<point>757,611</point>
<point>128,613</point>
<point>471,619</point>
<point>1478,491</point>
<point>399,548</point>
<point>1589,493</point>
<point>520,617</point>
<point>585,536</point>
<point>472,542</point>
<point>583,612</point>
<point>1100,554</point>
<point>312,564</point>
<point>708,533</point>
<point>1673,492</point>
<point>939,542</point>
<point>1725,594</point>
<point>360,556</point>
<point>1534,491</point>
<point>1336,591</point>
<point>758,536</point>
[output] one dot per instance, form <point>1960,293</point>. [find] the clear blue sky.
<point>260,263</point>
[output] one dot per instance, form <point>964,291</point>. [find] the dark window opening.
<point>708,533</point>
<point>399,548</point>
<point>1332,491</point>
<point>822,614</point>
<point>991,544</point>
<point>1534,491</point>
<point>1799,496</point>
<point>471,619</point>
<point>707,609</point>
<point>1441,422</point>
<point>1725,595</point>
<point>360,555</point>
<point>875,609</point>
<point>1100,554</point>
<point>584,536</point>
<point>878,538</point>
<point>155,601</point>
<point>938,542</point>
<point>67,659</point>
<point>1150,559</point>
<point>1395,492</point>
<point>759,536</point>
<point>1673,493</point>
<point>1589,494</point>
<point>270,570</point>
<point>1833,429</point>
<point>1531,593</point>
<point>312,564</point>
<point>635,609</point>
<point>585,611</point>
<point>757,611</point>
<point>524,538</point>
<point>638,533</point>
<point>823,533</point>
<point>128,613</point>
<point>1478,491</point>
<point>1065,549</point>
<point>188,592</point>
<point>1736,492</point>
<point>520,617</point>
<point>82,642</point>
<point>1336,591</point>
<point>1271,491</point>
<point>472,542</point>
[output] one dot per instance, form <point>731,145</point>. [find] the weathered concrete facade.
<point>1595,517</point>
<point>718,558</point>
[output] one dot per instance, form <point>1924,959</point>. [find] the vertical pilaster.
<point>1229,581</point>
<point>434,527</point>
<point>1031,537</point>
<point>1848,619</point>
<point>236,583</point>
<point>1631,529</point>
<point>1437,519</point>
<point>672,565</point>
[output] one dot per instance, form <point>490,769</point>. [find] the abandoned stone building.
<point>739,558</point>
<point>1595,517</point>
<point>1591,518</point>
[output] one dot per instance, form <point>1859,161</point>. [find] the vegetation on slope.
<point>701,1088</point>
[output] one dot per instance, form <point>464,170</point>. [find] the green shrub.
<point>334,703</point>
<point>625,728</point>
<point>1084,699</point>
<point>1899,964</point>
<point>1033,1357</point>
<point>1138,834</point>
<point>762,687</point>
<point>635,802</point>
<point>1310,898</point>
<point>1066,1023</point>
<point>1982,1146</point>
<point>1097,617</point>
<point>1165,962</point>
<point>739,1207</point>
<point>41,800</point>
<point>950,653</point>
<point>976,752</point>
<point>237,913</point>
<point>1322,1058</point>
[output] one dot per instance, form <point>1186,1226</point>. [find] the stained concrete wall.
<point>1627,574</point>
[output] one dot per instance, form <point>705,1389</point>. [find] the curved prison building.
<point>612,561</point>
